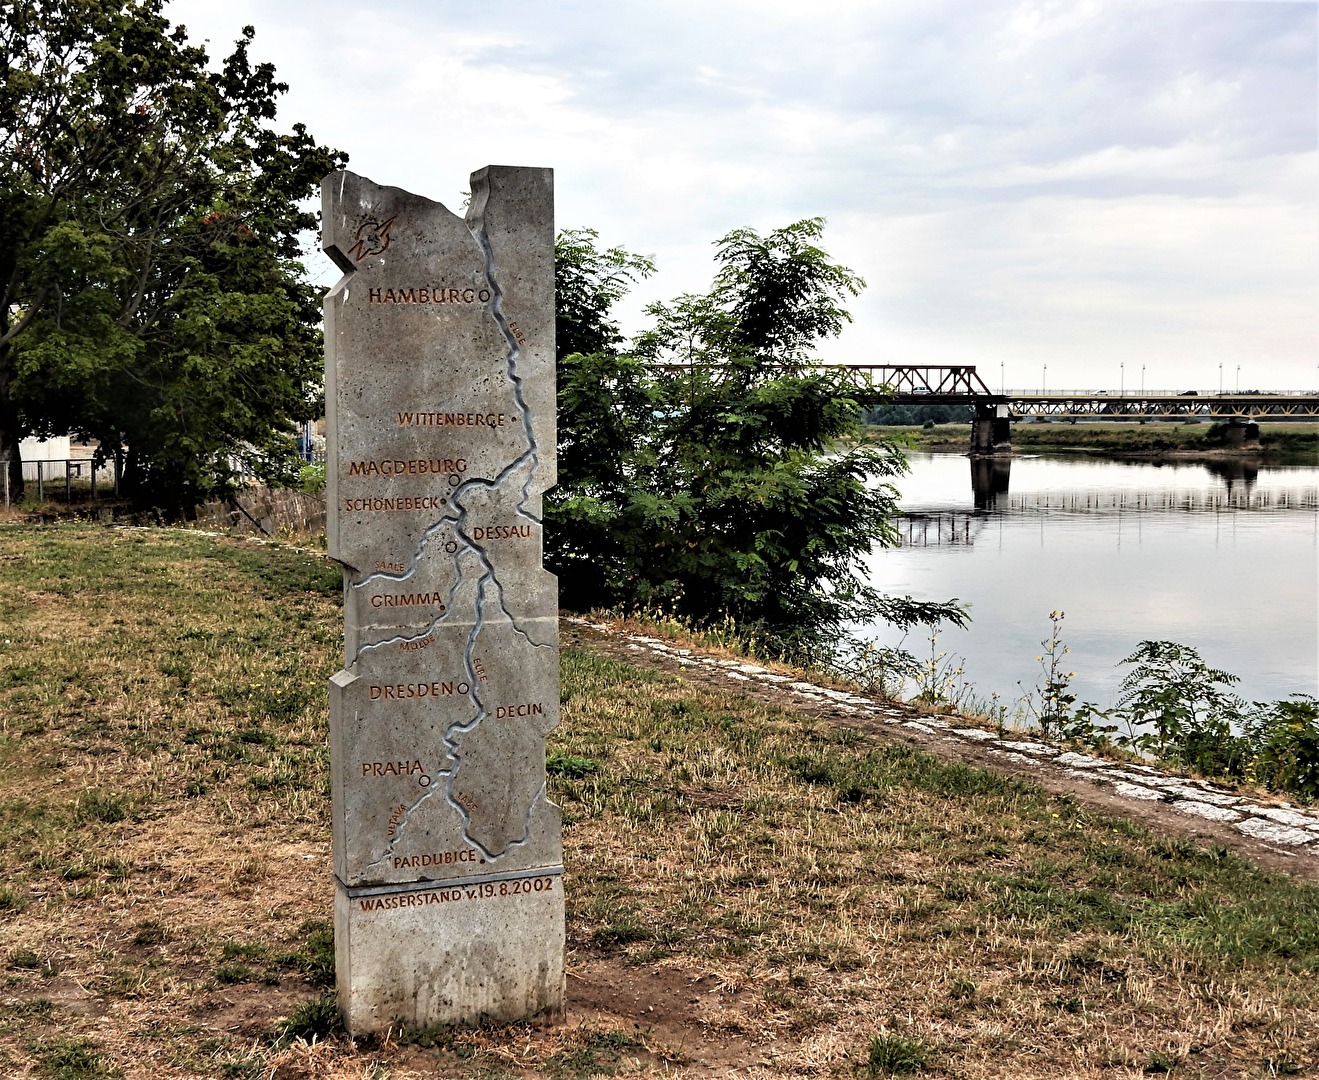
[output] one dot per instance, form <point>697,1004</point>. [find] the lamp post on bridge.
<point>1142,380</point>
<point>1002,379</point>
<point>1044,379</point>
<point>1220,378</point>
<point>1238,378</point>
<point>1122,379</point>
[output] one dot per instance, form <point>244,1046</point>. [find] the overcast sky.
<point>1077,183</point>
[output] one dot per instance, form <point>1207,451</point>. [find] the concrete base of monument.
<point>439,953</point>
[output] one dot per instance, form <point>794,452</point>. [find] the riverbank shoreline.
<point>1280,444</point>
<point>1264,827</point>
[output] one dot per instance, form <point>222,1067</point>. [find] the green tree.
<point>705,473</point>
<point>587,284</point>
<point>153,296</point>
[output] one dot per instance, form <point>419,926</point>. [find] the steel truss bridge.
<point>939,384</point>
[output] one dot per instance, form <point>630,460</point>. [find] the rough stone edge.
<point>1283,825</point>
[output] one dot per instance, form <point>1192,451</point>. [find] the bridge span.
<point>943,384</point>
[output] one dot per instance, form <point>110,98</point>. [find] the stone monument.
<point>439,389</point>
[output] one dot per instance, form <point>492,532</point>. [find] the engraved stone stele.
<point>439,344</point>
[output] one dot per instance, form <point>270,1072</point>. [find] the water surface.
<point>1220,556</point>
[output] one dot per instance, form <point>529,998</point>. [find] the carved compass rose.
<point>372,239</point>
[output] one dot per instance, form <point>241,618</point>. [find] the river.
<point>1218,555</point>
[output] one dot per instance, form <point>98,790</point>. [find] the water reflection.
<point>950,528</point>
<point>1235,474</point>
<point>1205,487</point>
<point>989,480</point>
<point>1219,554</point>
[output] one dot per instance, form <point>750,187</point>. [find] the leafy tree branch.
<point>149,247</point>
<point>707,472</point>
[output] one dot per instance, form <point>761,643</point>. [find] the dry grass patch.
<point>850,890</point>
<point>163,795</point>
<point>749,889</point>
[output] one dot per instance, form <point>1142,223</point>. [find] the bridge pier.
<point>1240,432</point>
<point>991,430</point>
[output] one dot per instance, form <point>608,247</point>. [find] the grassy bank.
<point>1292,442</point>
<point>846,905</point>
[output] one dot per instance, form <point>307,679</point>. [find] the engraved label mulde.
<point>441,436</point>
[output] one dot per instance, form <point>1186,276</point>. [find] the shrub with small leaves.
<point>1285,737</point>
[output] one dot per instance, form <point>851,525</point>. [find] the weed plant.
<point>1173,707</point>
<point>1049,706</point>
<point>874,669</point>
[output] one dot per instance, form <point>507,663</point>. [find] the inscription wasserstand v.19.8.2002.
<point>441,446</point>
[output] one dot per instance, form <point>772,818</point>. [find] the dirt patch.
<point>250,1010</point>
<point>686,1017</point>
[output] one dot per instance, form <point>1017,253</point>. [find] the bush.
<point>311,479</point>
<point>1285,738</point>
<point>1175,707</point>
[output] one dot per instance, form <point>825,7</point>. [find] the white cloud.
<point>1078,179</point>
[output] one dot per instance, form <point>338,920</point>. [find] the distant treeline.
<point>918,415</point>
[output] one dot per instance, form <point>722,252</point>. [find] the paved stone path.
<point>1137,790</point>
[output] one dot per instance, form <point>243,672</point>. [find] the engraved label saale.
<point>439,348</point>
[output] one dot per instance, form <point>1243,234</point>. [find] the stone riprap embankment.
<point>1271,831</point>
